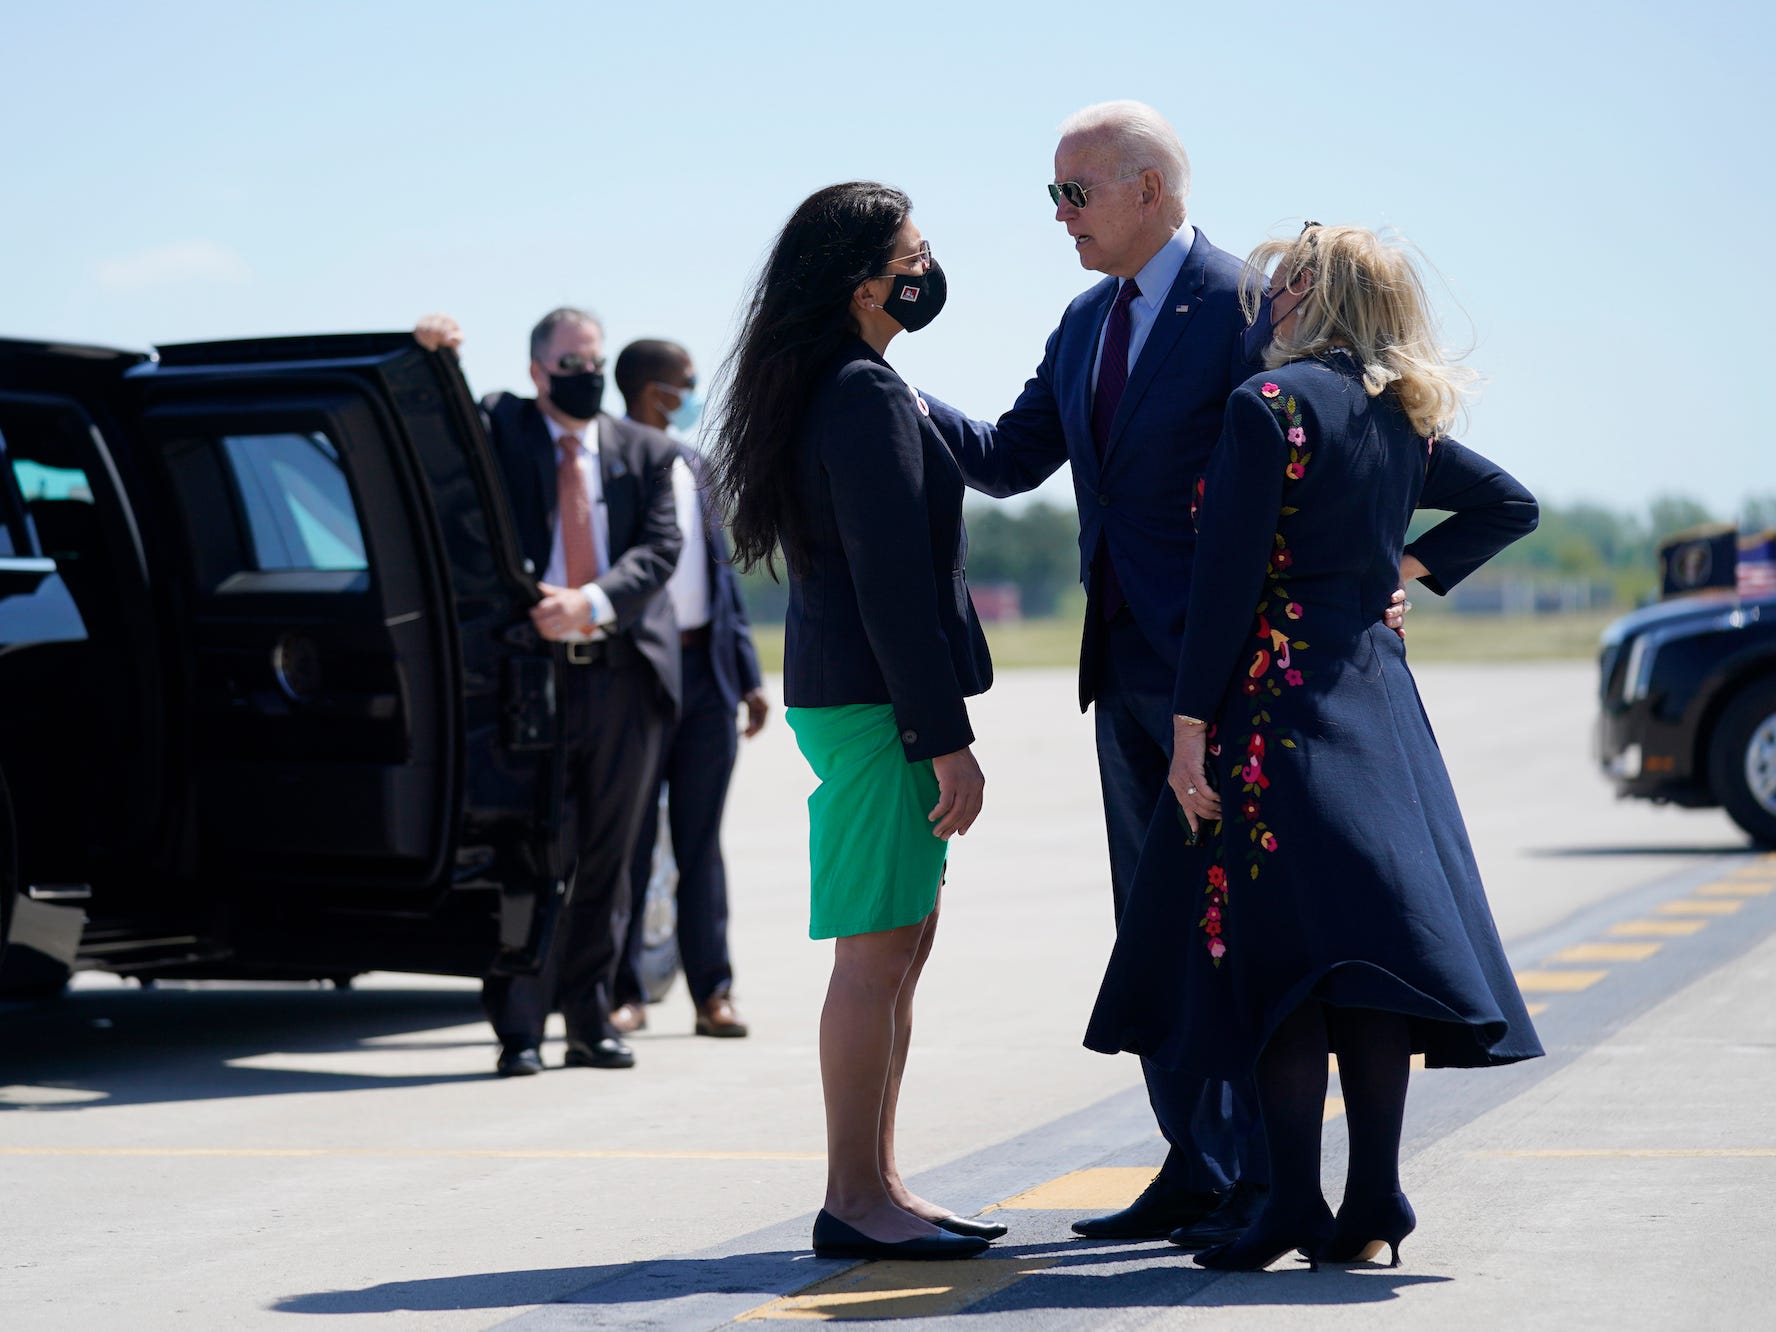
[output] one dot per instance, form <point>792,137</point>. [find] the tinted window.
<point>298,505</point>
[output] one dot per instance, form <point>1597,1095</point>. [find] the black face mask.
<point>578,395</point>
<point>915,299</point>
<point>1258,333</point>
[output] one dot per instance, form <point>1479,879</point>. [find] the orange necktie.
<point>580,552</point>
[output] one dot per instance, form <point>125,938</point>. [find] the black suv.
<point>1689,706</point>
<point>270,705</point>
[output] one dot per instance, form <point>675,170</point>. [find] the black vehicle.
<point>1689,706</point>
<point>270,705</point>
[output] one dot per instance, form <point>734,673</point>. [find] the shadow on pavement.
<point>1064,1276</point>
<point>97,1048</point>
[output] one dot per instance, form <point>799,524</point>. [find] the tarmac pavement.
<point>216,1155</point>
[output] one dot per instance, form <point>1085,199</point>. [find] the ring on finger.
<point>1189,790</point>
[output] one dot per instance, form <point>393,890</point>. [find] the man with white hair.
<point>1131,392</point>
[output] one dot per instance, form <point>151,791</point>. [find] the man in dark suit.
<point>592,501</point>
<point>1131,391</point>
<point>721,671</point>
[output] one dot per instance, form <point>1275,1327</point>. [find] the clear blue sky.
<point>1589,180</point>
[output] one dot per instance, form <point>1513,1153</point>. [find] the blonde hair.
<point>1365,295</point>
<point>1140,139</point>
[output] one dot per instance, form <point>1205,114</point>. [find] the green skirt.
<point>873,861</point>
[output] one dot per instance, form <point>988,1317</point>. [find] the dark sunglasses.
<point>573,364</point>
<point>1076,194</point>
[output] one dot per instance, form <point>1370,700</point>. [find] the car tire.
<point>1742,761</point>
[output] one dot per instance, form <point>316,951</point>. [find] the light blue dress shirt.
<point>1155,281</point>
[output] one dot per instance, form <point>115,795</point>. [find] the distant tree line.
<point>1036,546</point>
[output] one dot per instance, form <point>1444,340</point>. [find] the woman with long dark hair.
<point>824,454</point>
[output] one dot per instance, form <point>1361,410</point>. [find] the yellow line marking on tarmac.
<point>1334,1108</point>
<point>1607,952</point>
<point>899,1290</point>
<point>1740,889</point>
<point>1622,1153</point>
<point>541,1154</point>
<point>1101,1188</point>
<point>1535,1010</point>
<point>1557,982</point>
<point>1629,929</point>
<point>1700,906</point>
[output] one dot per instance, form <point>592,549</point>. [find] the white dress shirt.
<point>1155,280</point>
<point>603,613</point>
<point>688,587</point>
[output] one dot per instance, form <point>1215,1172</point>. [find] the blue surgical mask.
<point>688,412</point>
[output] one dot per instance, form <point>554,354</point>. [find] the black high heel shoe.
<point>1364,1226</point>
<point>834,1239</point>
<point>1269,1239</point>
<point>967,1225</point>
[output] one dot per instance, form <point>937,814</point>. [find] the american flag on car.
<point>1757,565</point>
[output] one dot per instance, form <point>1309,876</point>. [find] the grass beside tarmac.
<point>1435,635</point>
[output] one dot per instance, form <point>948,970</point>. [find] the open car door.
<point>359,720</point>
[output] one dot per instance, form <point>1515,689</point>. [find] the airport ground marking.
<point>1662,929</point>
<point>1557,982</point>
<point>899,1290</point>
<point>1737,889</point>
<point>1607,952</point>
<point>1098,1188</point>
<point>1701,906</point>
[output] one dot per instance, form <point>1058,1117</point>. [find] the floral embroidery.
<point>1274,658</point>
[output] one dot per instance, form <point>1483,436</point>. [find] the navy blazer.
<point>635,467</point>
<point>879,610</point>
<point>732,656</point>
<point>1138,499</point>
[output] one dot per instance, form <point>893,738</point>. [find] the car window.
<point>297,501</point>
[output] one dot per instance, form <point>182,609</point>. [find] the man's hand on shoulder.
<point>437,331</point>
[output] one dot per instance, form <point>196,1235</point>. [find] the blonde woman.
<point>1334,904</point>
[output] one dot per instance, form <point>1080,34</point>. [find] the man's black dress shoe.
<point>607,1053</point>
<point>1239,1208</point>
<point>834,1239</point>
<point>963,1225</point>
<point>1159,1211</point>
<point>518,1061</point>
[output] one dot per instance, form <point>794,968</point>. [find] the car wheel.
<point>1742,761</point>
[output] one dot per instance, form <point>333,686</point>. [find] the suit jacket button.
<point>1104,499</point>
<point>909,737</point>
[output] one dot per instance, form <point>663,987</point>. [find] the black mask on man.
<point>578,395</point>
<point>915,299</point>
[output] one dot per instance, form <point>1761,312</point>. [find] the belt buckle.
<point>579,654</point>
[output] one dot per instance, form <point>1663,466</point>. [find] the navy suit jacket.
<point>1137,501</point>
<point>732,655</point>
<point>879,610</point>
<point>635,468</point>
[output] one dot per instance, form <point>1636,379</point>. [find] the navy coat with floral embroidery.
<point>1342,868</point>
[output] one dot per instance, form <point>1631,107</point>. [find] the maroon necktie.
<point>1113,375</point>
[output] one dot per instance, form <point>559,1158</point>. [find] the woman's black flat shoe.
<point>963,1225</point>
<point>834,1239</point>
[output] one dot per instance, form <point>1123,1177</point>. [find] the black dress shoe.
<point>518,1061</point>
<point>1159,1211</point>
<point>962,1225</point>
<point>1239,1208</point>
<point>607,1053</point>
<point>834,1239</point>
